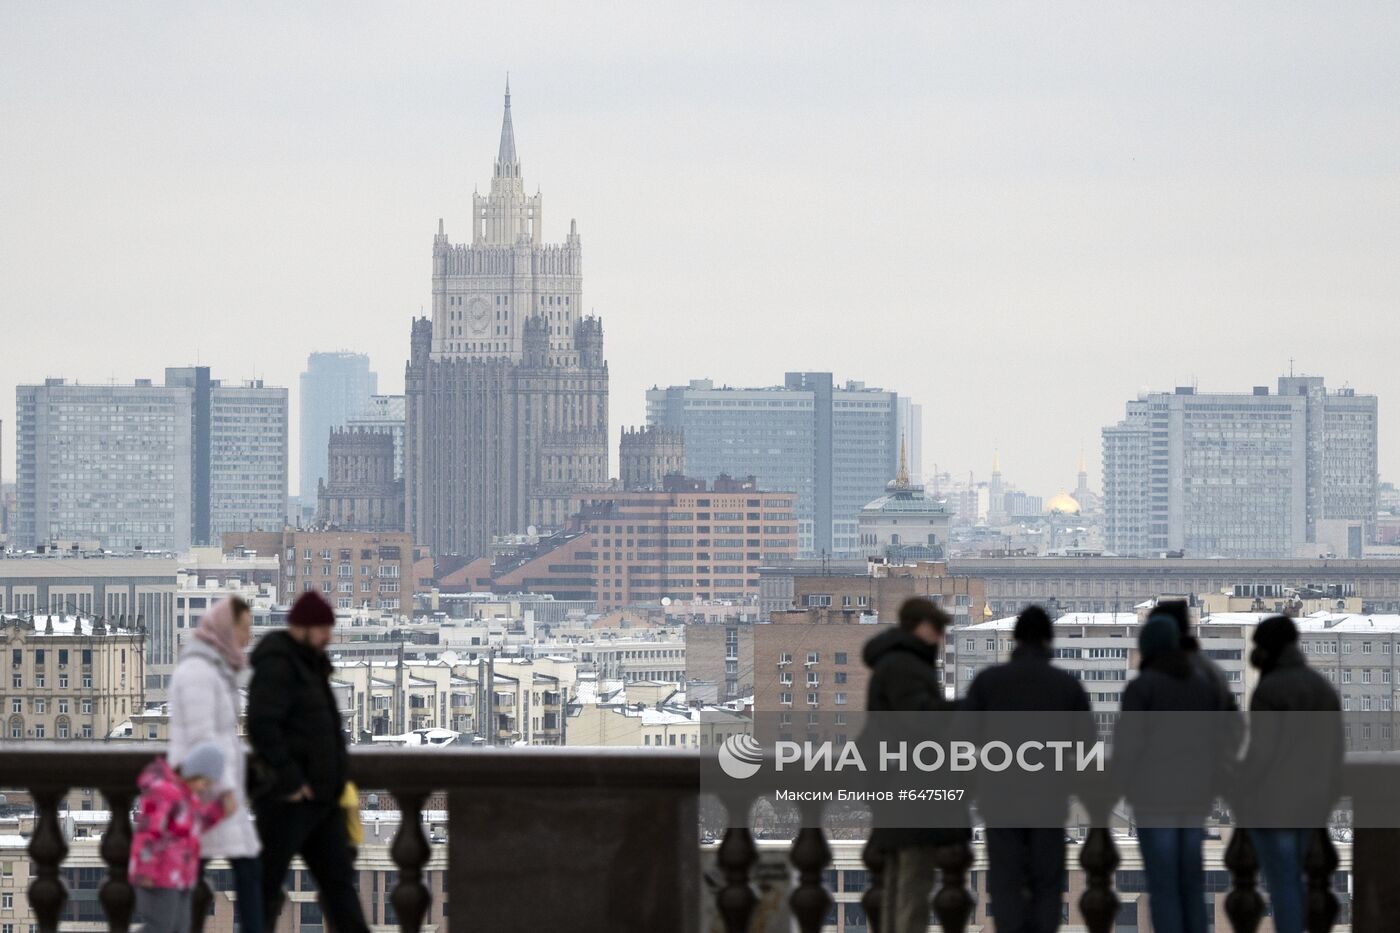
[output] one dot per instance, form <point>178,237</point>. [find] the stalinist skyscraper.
<point>507,389</point>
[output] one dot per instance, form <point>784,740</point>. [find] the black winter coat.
<point>903,674</point>
<point>904,679</point>
<point>1171,766</point>
<point>1291,773</point>
<point>1027,699</point>
<point>293,723</point>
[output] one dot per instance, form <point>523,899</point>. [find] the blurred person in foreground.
<point>171,815</point>
<point>904,678</point>
<point>1165,763</point>
<point>205,706</point>
<point>296,733</point>
<point>1291,773</point>
<point>1026,866</point>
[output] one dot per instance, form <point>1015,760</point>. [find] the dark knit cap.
<point>1033,625</point>
<point>1275,633</point>
<point>1158,636</point>
<point>311,611</point>
<point>1177,610</point>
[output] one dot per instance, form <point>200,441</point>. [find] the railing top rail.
<point>96,764</point>
<point>82,763</point>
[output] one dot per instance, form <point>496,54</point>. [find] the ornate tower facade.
<point>647,455</point>
<point>507,388</point>
<point>360,493</point>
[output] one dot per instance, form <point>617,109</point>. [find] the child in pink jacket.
<point>171,815</point>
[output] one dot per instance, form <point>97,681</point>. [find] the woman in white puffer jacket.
<point>205,706</point>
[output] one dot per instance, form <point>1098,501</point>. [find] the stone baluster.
<point>1243,905</point>
<point>1099,903</point>
<point>47,892</point>
<point>873,898</point>
<point>117,897</point>
<point>410,852</point>
<point>953,902</point>
<point>736,857</point>
<point>810,855</point>
<point>1319,863</point>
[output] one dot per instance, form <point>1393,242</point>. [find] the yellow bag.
<point>350,803</point>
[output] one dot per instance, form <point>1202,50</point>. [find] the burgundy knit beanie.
<point>311,611</point>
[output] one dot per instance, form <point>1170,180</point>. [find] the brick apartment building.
<point>352,569</point>
<point>808,661</point>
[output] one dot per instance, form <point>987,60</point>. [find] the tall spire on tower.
<point>507,156</point>
<point>901,479</point>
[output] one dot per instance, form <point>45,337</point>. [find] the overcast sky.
<point>1021,215</point>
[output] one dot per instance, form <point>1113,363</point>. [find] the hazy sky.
<point>1021,215</point>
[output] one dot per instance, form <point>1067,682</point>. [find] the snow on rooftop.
<point>62,625</point>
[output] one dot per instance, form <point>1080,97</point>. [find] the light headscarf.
<point>217,627</point>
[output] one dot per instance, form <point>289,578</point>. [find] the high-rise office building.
<point>158,467</point>
<point>239,454</point>
<point>334,387</point>
<point>911,431</point>
<point>834,446</point>
<point>506,387</point>
<point>1258,474</point>
<point>110,464</point>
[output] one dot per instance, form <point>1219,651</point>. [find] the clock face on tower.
<point>477,313</point>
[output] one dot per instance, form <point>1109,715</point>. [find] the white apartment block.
<point>1262,474</point>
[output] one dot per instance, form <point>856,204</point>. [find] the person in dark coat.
<point>1292,768</point>
<point>1162,764</point>
<point>295,730</point>
<point>1180,613</point>
<point>1026,867</point>
<point>904,678</point>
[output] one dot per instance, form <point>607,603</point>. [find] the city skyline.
<point>1063,211</point>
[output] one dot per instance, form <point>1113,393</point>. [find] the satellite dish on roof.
<point>532,531</point>
<point>665,600</point>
